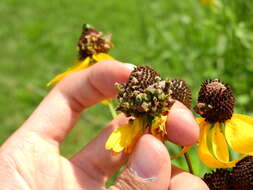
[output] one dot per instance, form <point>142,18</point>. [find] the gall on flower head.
<point>145,93</point>
<point>215,101</point>
<point>92,42</point>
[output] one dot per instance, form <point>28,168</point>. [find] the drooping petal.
<point>102,57</point>
<point>239,134</point>
<point>205,153</point>
<point>125,137</point>
<point>182,152</point>
<point>78,65</point>
<point>219,144</point>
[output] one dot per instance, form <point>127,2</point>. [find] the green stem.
<point>112,110</point>
<point>188,161</point>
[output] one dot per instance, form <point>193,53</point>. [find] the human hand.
<point>30,158</point>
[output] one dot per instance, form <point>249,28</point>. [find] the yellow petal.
<point>102,57</point>
<point>239,133</point>
<point>124,137</point>
<point>79,65</point>
<point>210,2</point>
<point>219,144</point>
<point>182,152</point>
<point>205,154</point>
<point>200,120</point>
<point>105,102</point>
<point>158,127</point>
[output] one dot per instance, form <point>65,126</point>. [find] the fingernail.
<point>130,66</point>
<point>184,115</point>
<point>147,159</point>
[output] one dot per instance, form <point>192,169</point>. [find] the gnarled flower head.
<point>219,127</point>
<point>92,47</point>
<point>92,42</point>
<point>145,93</point>
<point>148,98</point>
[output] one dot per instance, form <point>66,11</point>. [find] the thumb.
<point>148,167</point>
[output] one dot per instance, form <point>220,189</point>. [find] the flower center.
<point>242,174</point>
<point>215,101</point>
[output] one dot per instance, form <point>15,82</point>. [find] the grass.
<point>180,39</point>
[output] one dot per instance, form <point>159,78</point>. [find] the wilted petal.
<point>158,127</point>
<point>79,65</point>
<point>102,57</point>
<point>125,137</point>
<point>182,152</point>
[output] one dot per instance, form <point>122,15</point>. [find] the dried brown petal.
<point>215,101</point>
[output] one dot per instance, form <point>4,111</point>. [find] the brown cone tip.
<point>218,180</point>
<point>92,41</point>
<point>181,92</point>
<point>215,101</point>
<point>142,77</point>
<point>144,93</point>
<point>242,174</point>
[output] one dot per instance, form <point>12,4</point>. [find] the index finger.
<point>61,108</point>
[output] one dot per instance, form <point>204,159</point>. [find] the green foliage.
<point>180,39</point>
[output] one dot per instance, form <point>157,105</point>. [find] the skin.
<point>30,158</point>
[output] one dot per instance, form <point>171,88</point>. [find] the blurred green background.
<point>180,39</point>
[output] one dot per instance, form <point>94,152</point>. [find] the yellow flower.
<point>215,137</point>
<point>210,2</point>
<point>220,128</point>
<point>80,65</point>
<point>124,137</point>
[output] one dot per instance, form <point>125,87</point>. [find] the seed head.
<point>218,180</point>
<point>242,174</point>
<point>181,92</point>
<point>144,93</point>
<point>215,101</point>
<point>92,41</point>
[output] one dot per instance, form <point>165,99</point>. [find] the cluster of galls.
<point>215,101</point>
<point>147,94</point>
<point>239,178</point>
<point>92,42</point>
